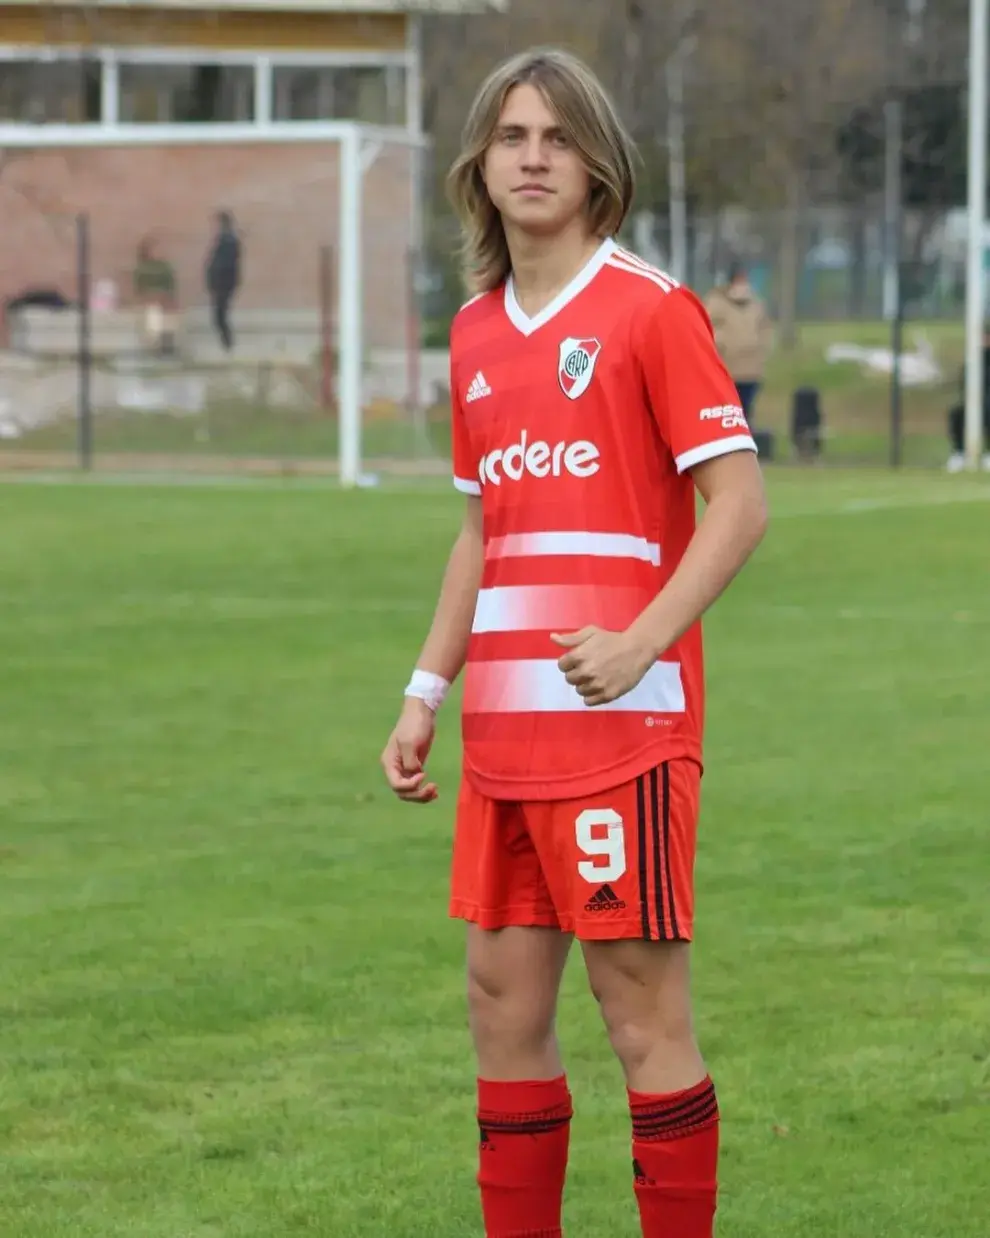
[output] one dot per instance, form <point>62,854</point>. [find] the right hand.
<point>406,751</point>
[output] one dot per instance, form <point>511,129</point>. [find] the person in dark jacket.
<point>957,416</point>
<point>223,276</point>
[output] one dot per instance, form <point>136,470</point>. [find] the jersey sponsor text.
<point>539,459</point>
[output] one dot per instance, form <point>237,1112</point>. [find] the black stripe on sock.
<point>540,1126</point>
<point>687,1100</point>
<point>694,1110</point>
<point>644,1128</point>
<point>666,1107</point>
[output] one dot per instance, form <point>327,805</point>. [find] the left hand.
<point>602,665</point>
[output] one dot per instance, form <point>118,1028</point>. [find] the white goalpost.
<point>976,304</point>
<point>350,339</point>
<point>360,147</point>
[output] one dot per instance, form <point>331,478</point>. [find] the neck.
<point>543,266</point>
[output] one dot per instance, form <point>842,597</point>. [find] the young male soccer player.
<point>588,403</point>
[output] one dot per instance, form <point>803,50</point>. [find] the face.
<point>533,174</point>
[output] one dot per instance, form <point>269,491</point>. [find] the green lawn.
<point>245,429</point>
<point>230,999</point>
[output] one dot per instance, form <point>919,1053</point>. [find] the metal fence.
<point>121,361</point>
<point>118,351</point>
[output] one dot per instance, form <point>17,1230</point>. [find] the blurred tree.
<point>781,106</point>
<point>783,75</point>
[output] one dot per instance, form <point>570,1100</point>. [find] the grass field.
<point>856,407</point>
<point>230,999</point>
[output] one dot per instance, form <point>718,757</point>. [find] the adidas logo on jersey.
<point>604,899</point>
<point>539,459</point>
<point>479,388</point>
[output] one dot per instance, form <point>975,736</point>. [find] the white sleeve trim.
<point>467,487</point>
<point>709,451</point>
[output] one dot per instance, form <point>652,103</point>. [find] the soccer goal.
<point>325,365</point>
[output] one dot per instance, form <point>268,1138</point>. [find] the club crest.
<point>577,365</point>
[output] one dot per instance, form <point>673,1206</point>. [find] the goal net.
<point>393,386</point>
<point>323,368</point>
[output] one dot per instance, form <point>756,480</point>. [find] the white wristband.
<point>429,688</point>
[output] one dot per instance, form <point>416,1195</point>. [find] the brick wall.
<point>284,198</point>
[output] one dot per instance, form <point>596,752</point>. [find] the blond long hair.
<point>590,121</point>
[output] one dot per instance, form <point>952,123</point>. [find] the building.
<point>150,116</point>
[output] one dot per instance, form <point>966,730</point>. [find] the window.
<point>375,94</point>
<point>50,91</point>
<point>166,90</point>
<point>186,94</point>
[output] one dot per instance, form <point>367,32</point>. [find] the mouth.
<point>532,188</point>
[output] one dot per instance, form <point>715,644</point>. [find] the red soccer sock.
<point>675,1160</point>
<point>525,1131</point>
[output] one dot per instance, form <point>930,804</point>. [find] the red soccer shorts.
<point>619,864</point>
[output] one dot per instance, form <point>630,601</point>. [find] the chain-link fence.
<point>837,369</point>
<point>841,257</point>
<point>187,314</point>
<point>164,368</point>
<point>843,192</point>
<point>831,393</point>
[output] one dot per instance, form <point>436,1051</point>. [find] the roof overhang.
<point>449,7</point>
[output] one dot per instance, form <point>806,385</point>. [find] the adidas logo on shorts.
<point>604,899</point>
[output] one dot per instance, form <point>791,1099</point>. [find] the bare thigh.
<point>513,977</point>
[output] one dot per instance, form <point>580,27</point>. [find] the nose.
<point>534,153</point>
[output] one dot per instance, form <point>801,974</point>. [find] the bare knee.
<point>512,981</point>
<point>501,1011</point>
<point>643,989</point>
<point>640,1027</point>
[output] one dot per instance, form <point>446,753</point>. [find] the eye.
<point>559,140</point>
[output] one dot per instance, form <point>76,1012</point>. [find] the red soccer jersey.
<point>577,428</point>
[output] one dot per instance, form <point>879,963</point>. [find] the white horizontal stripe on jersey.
<point>538,686</point>
<point>573,542</point>
<point>709,451</point>
<point>555,608</point>
<point>466,486</point>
